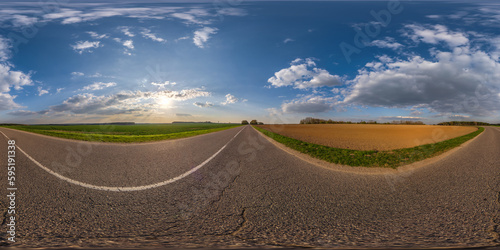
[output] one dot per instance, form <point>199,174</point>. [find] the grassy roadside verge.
<point>92,136</point>
<point>389,159</point>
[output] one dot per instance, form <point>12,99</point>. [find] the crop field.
<point>368,136</point>
<point>369,158</point>
<point>125,133</point>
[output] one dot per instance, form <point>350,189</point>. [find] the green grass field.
<point>125,133</point>
<point>390,159</point>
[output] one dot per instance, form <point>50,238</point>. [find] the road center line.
<point>126,189</point>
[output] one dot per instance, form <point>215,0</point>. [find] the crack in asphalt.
<point>495,224</point>
<point>228,186</point>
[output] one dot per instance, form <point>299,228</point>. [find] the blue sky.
<point>278,62</point>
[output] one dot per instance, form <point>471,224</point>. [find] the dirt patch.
<point>369,137</point>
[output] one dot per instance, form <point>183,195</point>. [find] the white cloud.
<point>400,117</point>
<point>125,102</point>
<point>436,34</point>
<point>129,44</point>
<point>146,33</point>
<point>182,38</point>
<point>85,46</point>
<point>462,81</point>
<point>232,12</point>
<point>201,36</point>
<point>64,13</point>
<point>71,20</point>
<point>459,117</point>
<point>309,104</point>
<point>7,102</point>
<point>188,18</point>
<point>99,85</point>
<point>126,31</point>
<point>42,91</point>
<point>59,90</point>
<point>303,74</point>
<point>203,105</point>
<point>70,16</point>
<point>163,84</point>
<point>288,40</point>
<point>77,73</point>
<point>22,20</point>
<point>5,47</point>
<point>433,16</point>
<point>11,79</point>
<point>193,16</point>
<point>97,36</point>
<point>230,99</point>
<point>388,43</point>
<point>22,113</point>
<point>189,15</point>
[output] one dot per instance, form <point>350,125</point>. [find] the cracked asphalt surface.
<point>252,194</point>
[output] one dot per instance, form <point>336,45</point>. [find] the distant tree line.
<point>310,120</point>
<point>464,123</point>
<point>252,122</point>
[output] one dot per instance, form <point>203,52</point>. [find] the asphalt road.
<point>226,189</point>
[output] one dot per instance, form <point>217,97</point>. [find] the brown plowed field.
<point>368,136</point>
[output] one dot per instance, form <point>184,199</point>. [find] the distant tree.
<point>244,122</point>
<point>261,123</point>
<point>253,122</point>
<point>464,123</point>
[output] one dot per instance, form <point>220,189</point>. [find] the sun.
<point>164,102</point>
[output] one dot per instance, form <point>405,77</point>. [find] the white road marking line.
<point>125,189</point>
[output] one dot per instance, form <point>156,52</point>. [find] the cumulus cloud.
<point>126,31</point>
<point>303,74</point>
<point>436,34</point>
<point>85,46</point>
<point>129,44</point>
<point>124,102</point>
<point>461,81</point>
<point>309,104</point>
<point>202,35</point>
<point>42,91</point>
<point>11,79</point>
<point>7,102</point>
<point>97,36</point>
<point>146,33</point>
<point>203,104</point>
<point>388,43</point>
<point>163,84</point>
<point>77,73</point>
<point>230,99</point>
<point>99,85</point>
<point>22,20</point>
